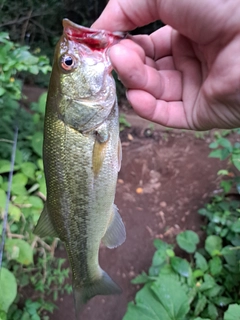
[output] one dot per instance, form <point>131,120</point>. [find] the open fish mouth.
<point>95,39</point>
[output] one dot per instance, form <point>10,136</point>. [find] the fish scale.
<point>82,156</point>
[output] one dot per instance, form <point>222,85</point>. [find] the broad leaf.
<point>188,240</point>
<point>201,262</point>
<point>3,315</point>
<point>236,160</point>
<point>8,290</point>
<point>28,168</point>
<point>153,303</point>
<point>147,307</point>
<point>213,245</point>
<point>181,266</point>
<point>3,199</point>
<point>201,303</point>
<point>215,265</point>
<point>165,287</point>
<point>37,142</point>
<point>208,283</point>
<point>212,311</point>
<point>142,278</point>
<point>233,312</point>
<point>20,251</point>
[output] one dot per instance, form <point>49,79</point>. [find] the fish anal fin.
<point>101,286</point>
<point>116,233</point>
<point>44,226</point>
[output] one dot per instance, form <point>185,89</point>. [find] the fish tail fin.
<point>102,286</point>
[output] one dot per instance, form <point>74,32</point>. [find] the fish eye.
<point>67,62</point>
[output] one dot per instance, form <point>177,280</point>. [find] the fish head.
<point>81,78</point>
<point>82,61</point>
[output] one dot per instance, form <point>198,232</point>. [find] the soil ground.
<point>166,176</point>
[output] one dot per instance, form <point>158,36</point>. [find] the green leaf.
<point>19,250</point>
<point>40,166</point>
<point>3,315</point>
<point>201,303</point>
<point>233,312</point>
<point>177,307</point>
<point>226,185</point>
<point>36,202</point>
<point>14,212</point>
<point>216,154</point>
<point>225,143</point>
<point>236,227</point>
<point>213,245</point>
<point>147,307</point>
<point>37,143</point>
<point>214,291</point>
<point>8,290</point>
<point>201,262</point>
<point>170,253</point>
<point>222,301</point>
<point>188,240</point>
<point>28,169</point>
<point>3,199</point>
<point>2,91</point>
<point>153,303</point>
<point>223,172</point>
<point>142,278</point>
<point>42,103</point>
<point>215,265</point>
<point>19,179</point>
<point>212,311</point>
<point>208,283</point>
<point>18,184</point>
<point>5,166</point>
<point>197,273</point>
<point>236,160</point>
<point>213,145</point>
<point>159,258</point>
<point>181,266</point>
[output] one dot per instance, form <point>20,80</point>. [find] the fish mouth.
<point>93,38</point>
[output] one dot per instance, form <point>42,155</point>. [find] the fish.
<point>82,157</point>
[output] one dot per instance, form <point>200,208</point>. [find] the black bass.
<point>82,157</point>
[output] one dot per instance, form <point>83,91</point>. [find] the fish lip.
<point>99,39</point>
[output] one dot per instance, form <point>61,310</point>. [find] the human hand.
<point>186,74</point>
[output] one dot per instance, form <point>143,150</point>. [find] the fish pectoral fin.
<point>99,153</point>
<point>101,286</point>
<point>44,226</point>
<point>116,233</point>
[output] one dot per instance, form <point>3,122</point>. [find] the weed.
<point>28,260</point>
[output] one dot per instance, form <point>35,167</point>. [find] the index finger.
<point>125,15</point>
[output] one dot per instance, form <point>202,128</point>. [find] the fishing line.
<point>5,218</point>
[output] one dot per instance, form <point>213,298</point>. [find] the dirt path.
<point>163,181</point>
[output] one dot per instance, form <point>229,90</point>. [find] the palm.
<point>178,83</point>
<point>210,94</point>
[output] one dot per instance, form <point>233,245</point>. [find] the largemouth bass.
<point>82,157</point>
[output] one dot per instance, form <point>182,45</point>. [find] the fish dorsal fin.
<point>116,233</point>
<point>44,226</point>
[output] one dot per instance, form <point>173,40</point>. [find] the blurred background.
<point>177,192</point>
